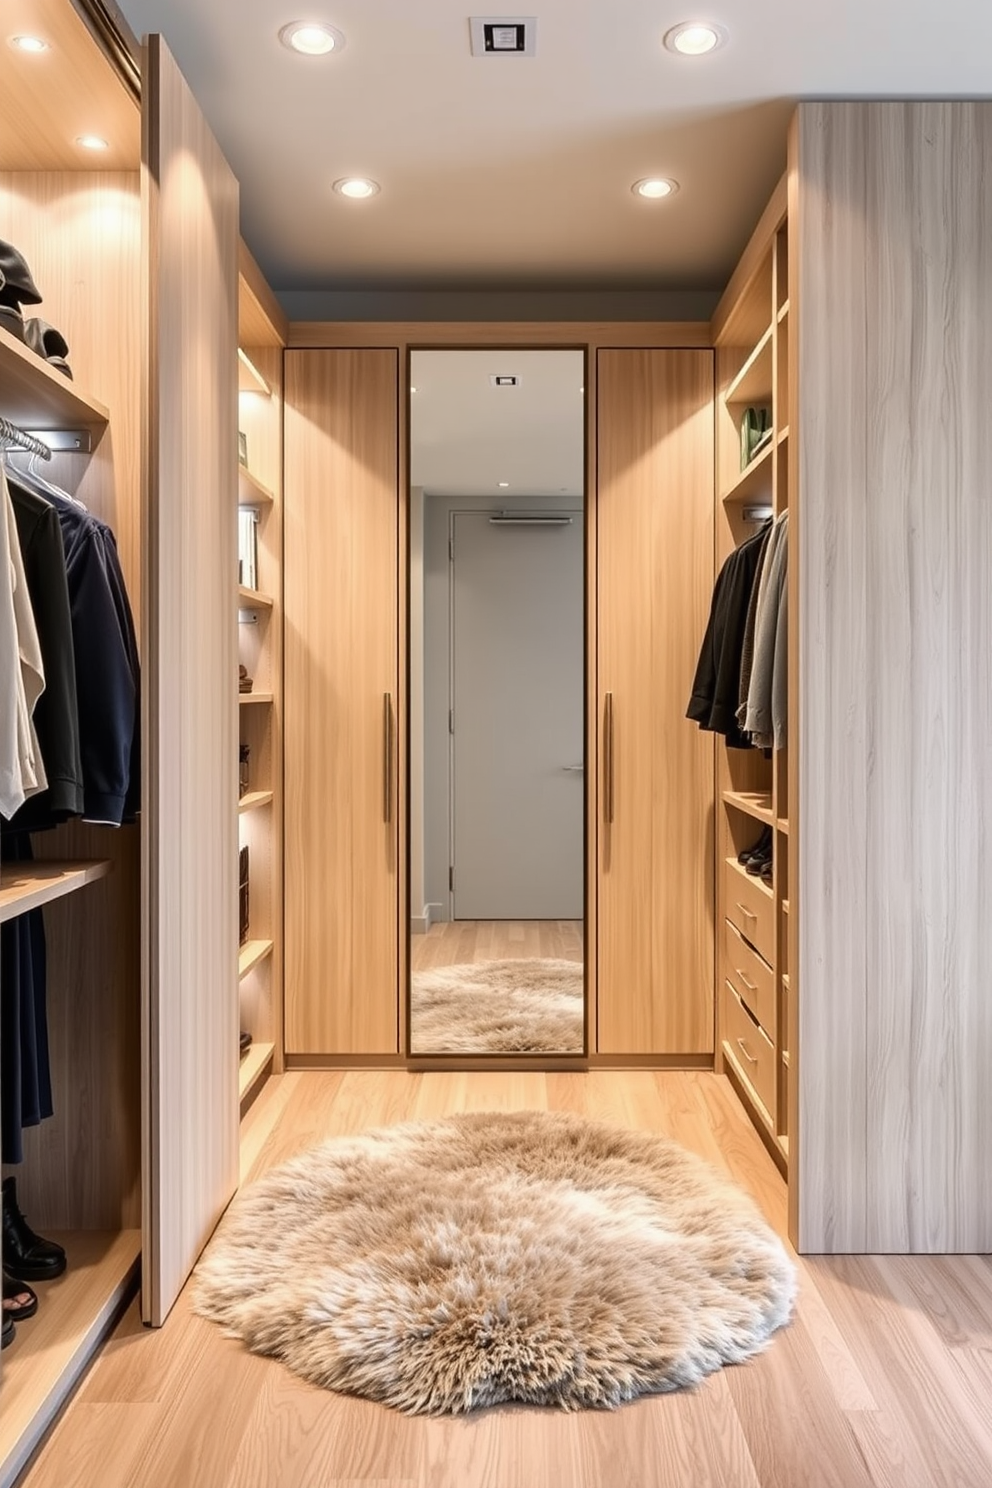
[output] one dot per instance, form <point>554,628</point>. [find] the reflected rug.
<point>525,1006</point>
<point>441,1267</point>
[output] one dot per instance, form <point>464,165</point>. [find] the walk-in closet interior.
<point>778,747</point>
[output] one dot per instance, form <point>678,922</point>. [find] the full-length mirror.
<point>497,690</point>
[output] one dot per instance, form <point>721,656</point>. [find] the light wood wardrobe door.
<point>655,581</point>
<point>190,663</point>
<point>341,687</point>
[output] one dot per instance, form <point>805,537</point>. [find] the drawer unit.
<point>751,978</point>
<point>750,906</point>
<point>751,1051</point>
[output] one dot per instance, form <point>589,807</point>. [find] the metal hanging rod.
<point>10,434</point>
<point>524,519</point>
<point>757,513</point>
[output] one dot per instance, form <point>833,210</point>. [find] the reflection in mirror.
<point>497,733</point>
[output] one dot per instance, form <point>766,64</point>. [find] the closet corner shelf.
<point>250,380</point>
<point>753,383</point>
<point>48,1357</point>
<point>752,878</point>
<point>35,396</point>
<point>782,436</point>
<point>754,480</point>
<point>25,886</point>
<point>752,803</point>
<point>252,954</point>
<point>253,599</point>
<point>247,698</point>
<point>785,906</point>
<point>785,1059</point>
<point>785,980</point>
<point>251,492</point>
<point>253,800</point>
<point>783,312</point>
<point>783,825</point>
<point>253,1069</point>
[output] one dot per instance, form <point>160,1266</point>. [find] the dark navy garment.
<point>106,661</point>
<point>716,686</point>
<point>25,1077</point>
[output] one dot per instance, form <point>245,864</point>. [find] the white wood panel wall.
<point>895,364</point>
<point>190,1032</point>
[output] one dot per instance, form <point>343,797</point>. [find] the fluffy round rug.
<point>525,1006</point>
<point>441,1267</point>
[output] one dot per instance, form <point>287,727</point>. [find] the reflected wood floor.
<point>459,942</point>
<point>884,1379</point>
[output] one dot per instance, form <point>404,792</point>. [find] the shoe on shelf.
<point>760,849</point>
<point>245,1041</point>
<point>9,1332</point>
<point>48,343</point>
<point>26,1255</point>
<point>13,1290</point>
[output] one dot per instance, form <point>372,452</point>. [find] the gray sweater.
<point>767,698</point>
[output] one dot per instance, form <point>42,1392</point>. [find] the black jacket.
<point>716,687</point>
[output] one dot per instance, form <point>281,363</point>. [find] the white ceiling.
<point>466,435</point>
<point>515,171</point>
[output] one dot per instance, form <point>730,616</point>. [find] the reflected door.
<point>517,631</point>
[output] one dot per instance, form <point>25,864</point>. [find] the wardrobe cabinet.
<point>342,678</point>
<point>654,542</point>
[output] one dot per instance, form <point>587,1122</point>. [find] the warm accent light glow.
<point>695,38</point>
<point>503,485</point>
<point>92,142</point>
<point>654,188</point>
<point>29,43</point>
<point>311,38</point>
<point>356,187</point>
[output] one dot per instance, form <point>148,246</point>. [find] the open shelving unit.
<point>755,997</point>
<point>25,886</point>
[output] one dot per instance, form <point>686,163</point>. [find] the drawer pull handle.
<point>743,1048</point>
<point>749,985</point>
<point>748,914</point>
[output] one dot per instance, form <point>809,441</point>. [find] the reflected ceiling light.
<point>92,142</point>
<point>654,188</point>
<point>356,187</point>
<point>695,38</point>
<point>311,38</point>
<point>29,43</point>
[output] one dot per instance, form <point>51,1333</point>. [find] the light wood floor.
<point>884,1379</point>
<point>458,942</point>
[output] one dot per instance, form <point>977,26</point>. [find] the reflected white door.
<point>517,654</point>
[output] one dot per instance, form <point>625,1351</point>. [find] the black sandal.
<point>12,1288</point>
<point>8,1332</point>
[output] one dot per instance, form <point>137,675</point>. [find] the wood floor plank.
<point>98,1446</point>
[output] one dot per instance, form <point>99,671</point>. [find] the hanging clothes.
<point>716,686</point>
<point>767,699</point>
<point>25,1070</point>
<point>22,674</point>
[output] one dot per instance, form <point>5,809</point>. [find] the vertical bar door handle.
<point>608,759</point>
<point>387,756</point>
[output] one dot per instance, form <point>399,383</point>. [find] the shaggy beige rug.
<point>441,1267</point>
<point>526,1006</point>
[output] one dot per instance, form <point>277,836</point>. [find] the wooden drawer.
<point>751,1051</point>
<point>750,906</point>
<point>751,978</point>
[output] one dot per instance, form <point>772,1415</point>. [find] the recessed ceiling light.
<point>29,43</point>
<point>695,38</point>
<point>92,142</point>
<point>654,188</point>
<point>312,38</point>
<point>503,485</point>
<point>356,187</point>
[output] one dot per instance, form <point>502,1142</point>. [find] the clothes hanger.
<point>34,480</point>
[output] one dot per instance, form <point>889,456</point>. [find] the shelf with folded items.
<point>37,397</point>
<point>754,482</point>
<point>753,384</point>
<point>246,698</point>
<point>25,886</point>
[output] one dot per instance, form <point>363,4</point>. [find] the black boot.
<point>9,1331</point>
<point>25,1254</point>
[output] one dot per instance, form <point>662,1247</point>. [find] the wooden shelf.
<point>254,1067</point>
<point>245,699</point>
<point>785,980</point>
<point>785,1058</point>
<point>250,380</point>
<point>783,312</point>
<point>753,383</point>
<point>252,800</point>
<point>25,886</point>
<point>753,482</point>
<point>52,1350</point>
<point>35,396</point>
<point>785,906</point>
<point>783,1143</point>
<point>752,878</point>
<point>782,825</point>
<point>253,599</point>
<point>782,436</point>
<point>251,492</point>
<point>752,803</point>
<point>252,954</point>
